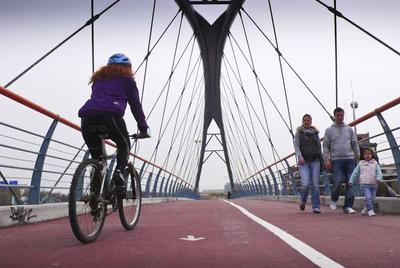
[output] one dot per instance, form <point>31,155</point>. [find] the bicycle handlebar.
<point>140,136</point>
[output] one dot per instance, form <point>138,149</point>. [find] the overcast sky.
<point>368,72</point>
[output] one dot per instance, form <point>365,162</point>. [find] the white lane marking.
<point>304,249</point>
<point>192,238</point>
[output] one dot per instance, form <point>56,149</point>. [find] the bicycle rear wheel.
<point>129,208</point>
<point>86,210</point>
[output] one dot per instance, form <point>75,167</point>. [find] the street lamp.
<point>354,106</point>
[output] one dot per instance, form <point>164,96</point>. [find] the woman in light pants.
<point>309,156</point>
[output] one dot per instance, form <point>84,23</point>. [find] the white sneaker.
<point>364,211</point>
<point>371,213</point>
<point>333,205</point>
<point>349,210</point>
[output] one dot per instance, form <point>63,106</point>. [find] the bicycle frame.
<point>106,165</point>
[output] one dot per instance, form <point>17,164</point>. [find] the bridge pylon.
<point>211,39</point>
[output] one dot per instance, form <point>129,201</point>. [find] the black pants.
<point>117,132</point>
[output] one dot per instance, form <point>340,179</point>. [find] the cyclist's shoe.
<point>120,187</point>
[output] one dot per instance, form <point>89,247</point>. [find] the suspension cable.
<point>156,43</point>
<point>169,86</point>
<point>251,105</point>
<point>239,143</point>
<point>289,65</point>
<point>340,15</point>
<point>186,81</point>
<point>336,54</point>
<point>242,122</point>
<point>148,50</point>
<point>261,98</point>
<point>92,28</point>
<point>177,104</point>
<point>89,22</point>
<point>265,90</point>
<point>185,134</point>
<point>280,65</point>
<point>189,143</point>
<point>169,78</point>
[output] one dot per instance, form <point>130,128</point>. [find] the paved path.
<point>282,237</point>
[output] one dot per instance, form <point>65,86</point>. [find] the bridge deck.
<point>232,239</point>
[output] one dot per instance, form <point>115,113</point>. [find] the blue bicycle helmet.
<point>119,58</point>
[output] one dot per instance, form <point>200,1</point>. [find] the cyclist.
<point>113,86</point>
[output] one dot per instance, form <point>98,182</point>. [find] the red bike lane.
<point>351,240</point>
<point>231,240</point>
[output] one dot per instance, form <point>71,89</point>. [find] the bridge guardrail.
<point>283,178</point>
<point>45,165</point>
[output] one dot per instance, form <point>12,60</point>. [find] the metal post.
<point>160,192</point>
<point>154,191</point>
<point>265,192</point>
<point>142,169</point>
<point>294,186</point>
<point>354,106</point>
<point>34,192</point>
<point>211,40</point>
<point>170,187</point>
<point>166,186</point>
<point>269,185</point>
<point>147,190</point>
<point>254,187</point>
<point>276,188</point>
<point>392,143</point>
<point>283,180</point>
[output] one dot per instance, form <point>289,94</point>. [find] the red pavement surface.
<point>232,239</point>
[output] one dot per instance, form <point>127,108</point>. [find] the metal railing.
<point>283,178</point>
<point>43,166</point>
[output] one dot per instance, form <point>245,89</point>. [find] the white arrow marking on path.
<point>192,238</point>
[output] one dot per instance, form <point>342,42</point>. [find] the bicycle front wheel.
<point>87,211</point>
<point>129,208</point>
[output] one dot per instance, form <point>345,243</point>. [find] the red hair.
<point>111,71</point>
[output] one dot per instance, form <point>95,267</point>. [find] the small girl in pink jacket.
<point>368,174</point>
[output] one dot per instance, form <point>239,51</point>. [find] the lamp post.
<point>354,106</point>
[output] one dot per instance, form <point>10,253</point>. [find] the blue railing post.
<point>34,192</point>
<point>276,188</point>
<point>176,187</point>
<point>255,188</point>
<point>166,186</point>
<point>172,190</point>
<point>147,190</point>
<point>142,169</point>
<point>154,191</point>
<point>160,192</point>
<point>392,143</point>
<point>283,180</point>
<point>294,186</point>
<point>269,185</point>
<point>172,182</point>
<point>265,192</point>
<point>252,188</point>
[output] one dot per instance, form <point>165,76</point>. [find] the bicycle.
<point>92,190</point>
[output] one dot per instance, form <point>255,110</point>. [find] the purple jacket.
<point>109,97</point>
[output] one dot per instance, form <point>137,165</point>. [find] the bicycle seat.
<point>100,130</point>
